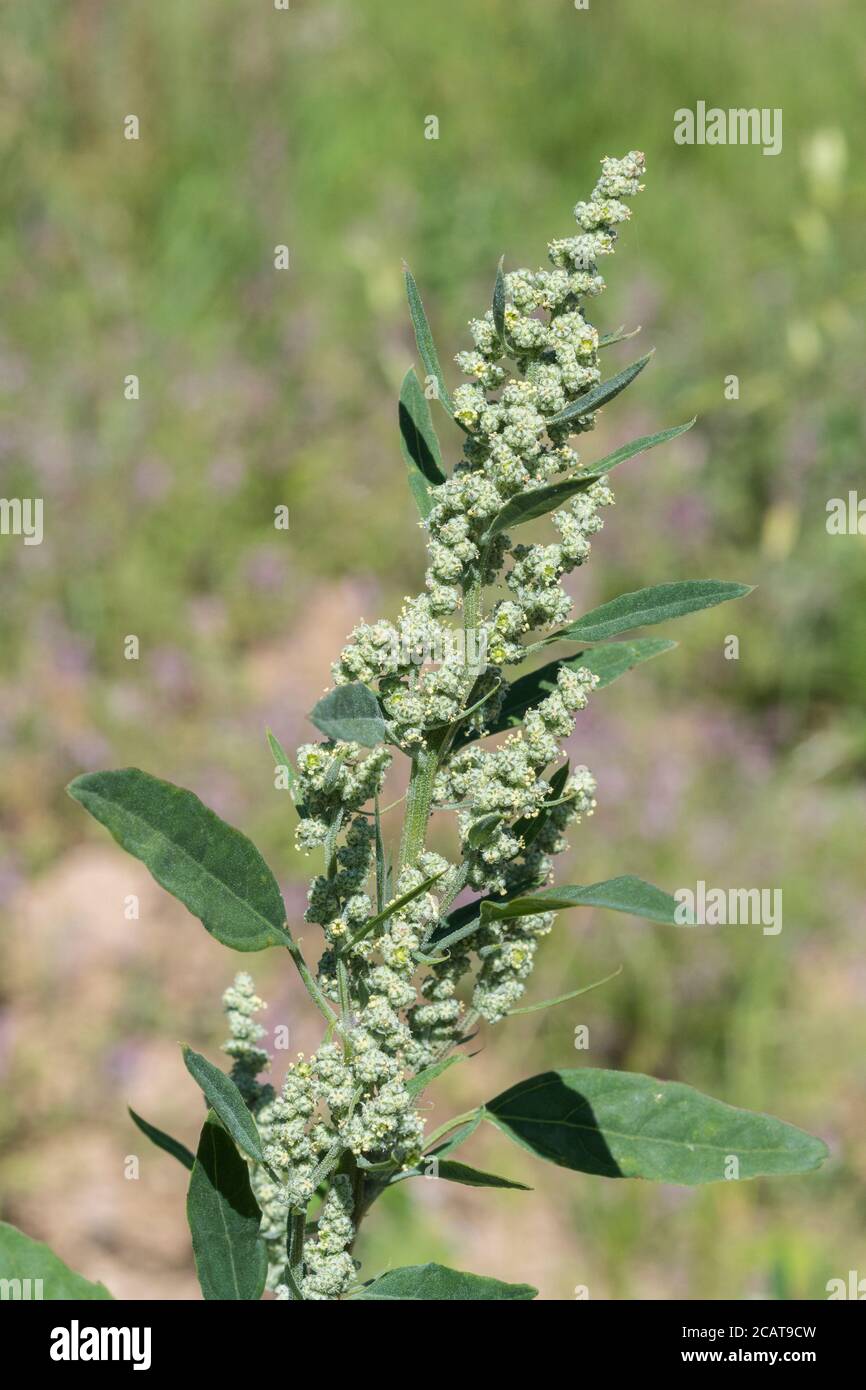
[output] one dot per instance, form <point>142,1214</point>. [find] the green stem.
<point>425,765</point>
<point>312,986</point>
<point>295,1254</point>
<point>449,1125</point>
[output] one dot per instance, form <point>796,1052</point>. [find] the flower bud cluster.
<point>241,1003</point>
<point>514,441</point>
<point>334,778</point>
<point>329,1267</point>
<point>420,663</point>
<point>397,993</point>
<point>507,782</point>
<point>538,599</point>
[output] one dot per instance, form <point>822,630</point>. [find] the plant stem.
<point>425,765</point>
<point>450,1124</point>
<point>295,1254</point>
<point>313,989</point>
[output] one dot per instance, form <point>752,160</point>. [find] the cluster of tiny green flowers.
<point>337,901</point>
<point>398,996</point>
<point>345,1097</point>
<point>514,441</point>
<point>513,445</point>
<point>538,599</point>
<point>334,778</point>
<point>329,1267</point>
<point>507,783</point>
<point>420,663</point>
<point>241,1003</point>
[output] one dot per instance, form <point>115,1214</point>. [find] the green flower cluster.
<point>513,445</point>
<point>500,789</point>
<point>241,1004</point>
<point>335,777</point>
<point>391,972</point>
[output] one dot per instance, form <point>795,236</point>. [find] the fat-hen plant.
<point>283,1177</point>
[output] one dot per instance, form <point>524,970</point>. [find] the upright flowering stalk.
<point>283,1178</point>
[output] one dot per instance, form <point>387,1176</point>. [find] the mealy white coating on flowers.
<point>348,1106</point>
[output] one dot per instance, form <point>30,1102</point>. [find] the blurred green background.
<point>260,388</point>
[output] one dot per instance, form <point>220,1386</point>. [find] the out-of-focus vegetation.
<point>260,388</point>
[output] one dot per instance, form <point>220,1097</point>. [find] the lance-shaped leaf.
<point>416,1084</point>
<point>351,713</point>
<point>644,607</point>
<point>283,762</point>
<point>418,443</point>
<point>624,894</point>
<point>619,335</point>
<point>499,303</point>
<point>30,1269</point>
<point>620,1124</point>
<point>389,910</point>
<point>612,660</point>
<point>424,339</point>
<point>163,1141</point>
<point>230,1259</point>
<point>541,500</point>
<point>436,1283</point>
<point>599,395</point>
<point>483,829</point>
<point>223,1096</point>
<point>213,869</point>
<point>450,1171</point>
<point>561,998</point>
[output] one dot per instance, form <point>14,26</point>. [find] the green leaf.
<point>22,1258</point>
<point>230,1259</point>
<point>624,894</point>
<point>443,937</point>
<point>418,443</point>
<point>389,910</point>
<point>541,500</point>
<point>213,869</point>
<point>599,395</point>
<point>561,998</point>
<point>435,1283</point>
<point>611,661</point>
<point>483,829</point>
<point>282,760</point>
<point>416,1084</point>
<point>163,1141</point>
<point>644,607</point>
<point>424,339</point>
<point>631,450</point>
<point>434,1168</point>
<point>350,713</point>
<point>619,1124</point>
<point>499,303</point>
<point>223,1096</point>
<point>618,335</point>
